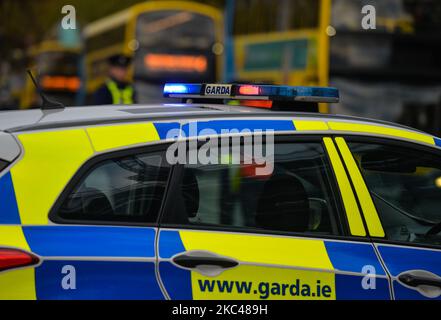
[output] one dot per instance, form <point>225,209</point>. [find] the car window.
<point>405,185</point>
<point>3,165</point>
<point>126,189</point>
<point>293,192</point>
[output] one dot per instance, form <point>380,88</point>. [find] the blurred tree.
<point>262,16</point>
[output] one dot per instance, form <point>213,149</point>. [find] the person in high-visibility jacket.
<point>116,89</point>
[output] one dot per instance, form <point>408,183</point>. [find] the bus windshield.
<point>58,63</point>
<point>175,29</point>
<point>175,45</point>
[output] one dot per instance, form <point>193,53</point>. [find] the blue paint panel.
<point>438,142</point>
<point>349,287</point>
<point>177,281</point>
<point>217,126</point>
<point>98,280</point>
<point>170,130</point>
<point>67,241</point>
<point>403,293</point>
<point>353,257</point>
<point>401,259</point>
<point>8,204</point>
<point>170,244</point>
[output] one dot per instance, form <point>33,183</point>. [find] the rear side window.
<point>123,189</point>
<point>296,194</point>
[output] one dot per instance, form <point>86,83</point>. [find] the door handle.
<point>415,281</point>
<point>204,262</point>
<point>426,283</point>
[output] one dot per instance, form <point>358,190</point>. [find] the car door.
<point>404,182</point>
<point>101,242</point>
<point>291,230</point>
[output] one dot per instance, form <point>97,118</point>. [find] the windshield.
<point>175,46</point>
<point>175,30</point>
<point>57,63</point>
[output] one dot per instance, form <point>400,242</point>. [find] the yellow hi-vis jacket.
<point>120,96</point>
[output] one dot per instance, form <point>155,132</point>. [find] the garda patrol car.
<point>95,202</point>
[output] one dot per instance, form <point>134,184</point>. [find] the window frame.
<point>340,214</point>
<point>395,143</point>
<point>88,167</point>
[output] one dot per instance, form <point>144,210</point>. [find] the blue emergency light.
<point>251,92</point>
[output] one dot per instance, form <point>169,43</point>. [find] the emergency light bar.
<point>251,92</point>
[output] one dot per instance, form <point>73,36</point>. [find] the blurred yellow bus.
<point>59,73</point>
<point>169,41</point>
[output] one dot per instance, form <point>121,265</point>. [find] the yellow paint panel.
<point>50,160</point>
<point>370,212</point>
<point>117,136</point>
<point>18,285</point>
<point>352,212</point>
<point>247,282</point>
<point>304,125</point>
<point>12,236</point>
<point>306,253</point>
<point>387,131</point>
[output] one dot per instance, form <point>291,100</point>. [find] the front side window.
<point>296,194</point>
<point>406,188</point>
<point>124,189</point>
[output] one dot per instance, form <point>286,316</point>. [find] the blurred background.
<point>391,73</point>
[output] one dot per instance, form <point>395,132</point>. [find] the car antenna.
<point>47,104</point>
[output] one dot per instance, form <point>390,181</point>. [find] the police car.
<point>200,200</point>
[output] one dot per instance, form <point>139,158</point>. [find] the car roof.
<point>34,119</point>
<point>37,119</point>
